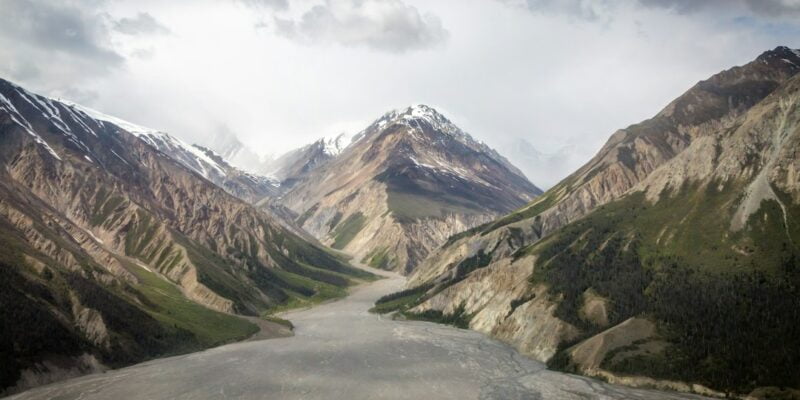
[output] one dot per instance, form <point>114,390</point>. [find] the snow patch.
<point>188,155</point>
<point>130,127</point>
<point>22,122</point>
<point>335,145</point>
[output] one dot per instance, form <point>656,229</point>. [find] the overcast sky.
<point>561,74</point>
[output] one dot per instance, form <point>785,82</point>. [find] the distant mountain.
<point>294,166</point>
<point>546,169</point>
<point>117,247</point>
<point>228,146</point>
<point>400,187</point>
<point>247,186</point>
<point>671,259</point>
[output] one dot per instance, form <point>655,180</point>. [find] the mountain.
<point>543,168</point>
<point>227,145</point>
<point>117,247</point>
<point>247,186</point>
<point>295,166</point>
<point>668,260</point>
<point>406,183</point>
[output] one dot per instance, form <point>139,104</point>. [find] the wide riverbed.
<point>340,351</point>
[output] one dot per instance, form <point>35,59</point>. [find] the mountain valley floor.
<point>341,351</point>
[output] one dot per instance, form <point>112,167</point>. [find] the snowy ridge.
<point>221,161</point>
<point>418,116</point>
<point>334,145</point>
<point>187,155</point>
<point>6,105</point>
<point>92,121</point>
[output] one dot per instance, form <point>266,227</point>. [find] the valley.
<point>406,259</point>
<point>341,351</point>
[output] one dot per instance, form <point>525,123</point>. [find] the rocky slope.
<point>114,252</point>
<point>294,167</point>
<point>247,186</point>
<point>670,256</point>
<point>405,184</point>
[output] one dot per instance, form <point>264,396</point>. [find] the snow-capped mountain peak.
<point>414,115</point>
<point>334,145</point>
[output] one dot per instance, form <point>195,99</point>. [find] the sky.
<point>543,81</point>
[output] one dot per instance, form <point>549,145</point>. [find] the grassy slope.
<point>310,274</point>
<point>379,258</point>
<point>722,305</point>
<point>347,230</point>
<point>170,307</point>
<point>146,320</point>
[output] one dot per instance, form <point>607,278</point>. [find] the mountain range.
<point>122,243</point>
<point>668,260</point>
<point>104,218</point>
<point>400,187</point>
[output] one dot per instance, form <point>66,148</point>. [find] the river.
<point>341,351</point>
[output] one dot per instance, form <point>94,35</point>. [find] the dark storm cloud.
<point>58,27</point>
<point>593,10</point>
<point>775,8</point>
<point>767,8</point>
<point>142,24</point>
<point>385,25</point>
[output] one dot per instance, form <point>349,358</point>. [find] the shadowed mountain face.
<point>117,246</point>
<point>672,254</point>
<point>402,186</point>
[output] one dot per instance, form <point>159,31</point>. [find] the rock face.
<point>403,185</point>
<point>109,229</point>
<point>684,218</point>
<point>247,186</point>
<point>296,166</point>
<point>244,185</point>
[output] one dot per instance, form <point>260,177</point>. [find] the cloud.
<point>55,45</point>
<point>272,4</point>
<point>591,10</point>
<point>763,8</point>
<point>61,28</point>
<point>385,25</point>
<point>142,24</point>
<point>775,8</point>
<point>603,10</point>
